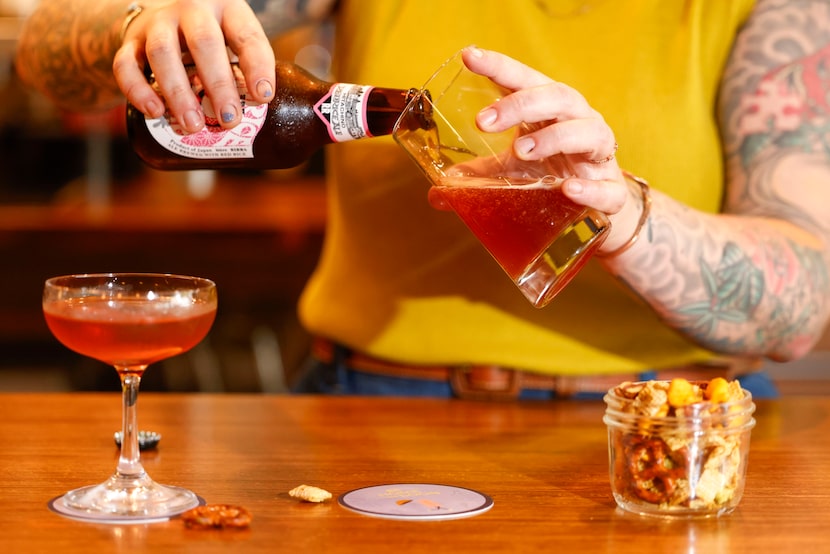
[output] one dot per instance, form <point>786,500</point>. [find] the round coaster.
<point>416,501</point>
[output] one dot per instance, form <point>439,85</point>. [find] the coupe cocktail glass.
<point>128,320</point>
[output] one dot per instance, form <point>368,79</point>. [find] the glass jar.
<point>684,461</point>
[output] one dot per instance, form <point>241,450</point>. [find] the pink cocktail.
<point>129,321</point>
<point>127,333</point>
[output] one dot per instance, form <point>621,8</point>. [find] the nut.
<point>309,493</point>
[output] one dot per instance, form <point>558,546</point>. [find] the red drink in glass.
<point>131,332</point>
<point>515,207</point>
<point>128,320</point>
<point>529,226</point>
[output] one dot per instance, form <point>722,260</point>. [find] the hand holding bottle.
<point>160,32</point>
<point>304,115</point>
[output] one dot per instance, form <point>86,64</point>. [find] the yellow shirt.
<point>403,281</point>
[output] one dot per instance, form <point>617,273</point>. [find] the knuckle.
<point>178,91</point>
<point>221,85</point>
<point>249,35</point>
<point>521,101</point>
<point>121,62</point>
<point>201,37</point>
<point>158,48</point>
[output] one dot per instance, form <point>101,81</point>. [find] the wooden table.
<point>544,464</point>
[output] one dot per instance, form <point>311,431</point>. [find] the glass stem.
<point>129,462</point>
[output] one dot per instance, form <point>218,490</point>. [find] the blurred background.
<point>74,198</point>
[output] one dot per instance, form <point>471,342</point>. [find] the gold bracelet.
<point>133,11</point>
<point>640,224</point>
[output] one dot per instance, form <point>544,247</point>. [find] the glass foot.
<point>126,500</point>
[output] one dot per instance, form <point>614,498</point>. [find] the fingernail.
<point>155,109</point>
<point>525,145</point>
<point>264,89</point>
<point>475,51</point>
<point>574,187</point>
<point>487,116</point>
<point>192,120</point>
<point>228,113</point>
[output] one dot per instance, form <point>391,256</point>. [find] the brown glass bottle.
<point>305,115</point>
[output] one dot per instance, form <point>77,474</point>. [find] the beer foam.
<point>526,183</point>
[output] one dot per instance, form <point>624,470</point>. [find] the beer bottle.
<point>305,114</point>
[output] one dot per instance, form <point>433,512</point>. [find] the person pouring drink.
<point>728,266</point>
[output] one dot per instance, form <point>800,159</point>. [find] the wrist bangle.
<point>644,190</point>
<point>133,11</point>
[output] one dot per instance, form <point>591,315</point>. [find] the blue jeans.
<point>336,377</point>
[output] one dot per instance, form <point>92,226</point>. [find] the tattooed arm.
<point>72,51</point>
<point>754,280</point>
<point>65,51</point>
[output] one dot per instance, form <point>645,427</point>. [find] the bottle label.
<point>212,142</point>
<point>343,110</point>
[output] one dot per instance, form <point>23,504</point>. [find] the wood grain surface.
<point>544,464</point>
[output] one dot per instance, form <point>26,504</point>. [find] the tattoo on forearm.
<point>736,289</point>
<point>733,290</point>
<point>71,52</point>
<point>756,281</point>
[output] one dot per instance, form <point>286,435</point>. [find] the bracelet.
<point>133,11</point>
<point>640,224</point>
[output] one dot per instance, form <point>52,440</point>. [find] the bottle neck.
<point>384,107</point>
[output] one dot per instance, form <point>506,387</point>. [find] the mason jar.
<point>684,461</point>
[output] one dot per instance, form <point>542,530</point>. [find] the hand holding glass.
<point>129,321</point>
<point>515,207</point>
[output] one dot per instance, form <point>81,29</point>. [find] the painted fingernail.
<point>525,145</point>
<point>228,113</point>
<point>487,116</point>
<point>264,89</point>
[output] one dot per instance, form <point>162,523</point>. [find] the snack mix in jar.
<point>678,448</point>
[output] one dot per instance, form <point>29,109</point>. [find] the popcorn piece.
<point>309,493</point>
<point>650,401</point>
<point>682,393</point>
<point>718,390</point>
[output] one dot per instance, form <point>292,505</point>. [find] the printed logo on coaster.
<point>417,501</point>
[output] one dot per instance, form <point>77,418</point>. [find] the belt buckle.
<point>485,383</point>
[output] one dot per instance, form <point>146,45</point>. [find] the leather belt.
<point>493,382</point>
